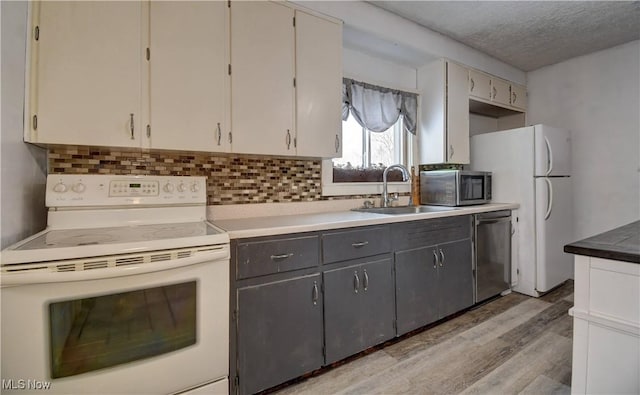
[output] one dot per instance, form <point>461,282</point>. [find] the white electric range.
<point>125,291</point>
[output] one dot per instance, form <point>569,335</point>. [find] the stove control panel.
<point>133,188</point>
<point>70,190</point>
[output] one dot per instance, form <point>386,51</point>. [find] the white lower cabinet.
<point>606,327</point>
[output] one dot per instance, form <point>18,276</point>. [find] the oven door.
<point>159,331</point>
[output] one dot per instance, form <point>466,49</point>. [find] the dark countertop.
<point>620,244</point>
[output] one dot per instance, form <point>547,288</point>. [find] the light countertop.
<point>283,224</point>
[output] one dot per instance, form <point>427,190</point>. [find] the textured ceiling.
<point>527,34</point>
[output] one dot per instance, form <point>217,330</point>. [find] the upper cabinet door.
<point>479,85</point>
<point>318,86</point>
<point>519,96</point>
<point>189,85</point>
<point>262,72</point>
<point>457,145</point>
<point>86,65</point>
<point>500,91</point>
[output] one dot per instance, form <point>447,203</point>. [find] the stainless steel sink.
<point>405,210</point>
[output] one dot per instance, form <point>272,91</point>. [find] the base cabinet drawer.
<point>358,308</point>
<point>279,332</point>
<point>358,243</point>
<point>258,258</point>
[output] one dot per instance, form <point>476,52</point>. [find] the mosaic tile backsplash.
<point>231,179</point>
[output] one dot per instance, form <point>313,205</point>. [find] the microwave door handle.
<point>549,199</point>
<point>549,156</point>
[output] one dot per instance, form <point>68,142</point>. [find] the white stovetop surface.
<point>268,225</point>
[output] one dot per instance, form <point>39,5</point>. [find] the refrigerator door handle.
<point>549,199</point>
<point>549,156</point>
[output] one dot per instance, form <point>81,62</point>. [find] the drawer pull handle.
<point>356,282</point>
<point>315,293</point>
<point>360,244</point>
<point>365,283</point>
<point>282,256</point>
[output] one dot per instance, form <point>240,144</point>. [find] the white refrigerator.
<point>532,166</point>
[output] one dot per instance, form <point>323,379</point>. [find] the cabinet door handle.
<point>288,139</point>
<point>495,92</point>
<point>441,258</point>
<point>219,134</point>
<point>435,259</point>
<point>131,126</point>
<point>281,256</point>
<point>472,84</point>
<point>356,282</point>
<point>359,244</point>
<point>450,151</point>
<point>337,143</point>
<point>314,294</point>
<point>365,283</point>
<point>513,94</point>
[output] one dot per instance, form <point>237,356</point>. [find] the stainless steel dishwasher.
<point>492,237</point>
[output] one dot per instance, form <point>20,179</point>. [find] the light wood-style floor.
<point>512,345</point>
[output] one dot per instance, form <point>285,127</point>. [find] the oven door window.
<point>472,188</point>
<point>98,332</point>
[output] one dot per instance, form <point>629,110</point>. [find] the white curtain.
<point>377,108</point>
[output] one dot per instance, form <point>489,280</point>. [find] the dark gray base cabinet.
<point>279,332</point>
<point>359,307</point>
<point>433,276</point>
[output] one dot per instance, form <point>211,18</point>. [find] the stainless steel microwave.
<point>455,187</point>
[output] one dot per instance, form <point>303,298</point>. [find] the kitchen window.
<point>377,131</point>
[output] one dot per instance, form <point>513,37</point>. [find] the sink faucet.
<point>385,193</point>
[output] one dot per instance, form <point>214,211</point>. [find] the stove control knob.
<point>182,187</point>
<point>168,187</point>
<point>78,187</point>
<point>195,187</point>
<point>60,187</point>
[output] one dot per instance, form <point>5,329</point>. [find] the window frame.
<point>330,188</point>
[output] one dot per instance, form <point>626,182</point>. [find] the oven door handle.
<point>47,275</point>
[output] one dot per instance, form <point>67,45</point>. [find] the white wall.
<point>371,69</point>
<point>396,30</point>
<point>596,97</point>
<point>23,175</point>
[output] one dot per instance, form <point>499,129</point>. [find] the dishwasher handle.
<point>492,220</point>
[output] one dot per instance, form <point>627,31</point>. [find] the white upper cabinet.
<point>86,62</point>
<point>444,113</point>
<point>189,88</point>
<point>318,86</point>
<point>500,91</point>
<point>519,96</point>
<point>496,91</point>
<point>262,72</point>
<point>479,85</point>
